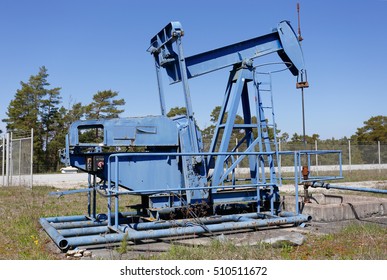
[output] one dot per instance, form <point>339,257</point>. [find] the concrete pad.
<point>329,207</point>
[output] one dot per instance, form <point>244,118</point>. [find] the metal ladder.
<point>266,122</point>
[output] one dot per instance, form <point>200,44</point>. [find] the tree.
<point>177,111</point>
<point>61,125</point>
<point>104,106</point>
<point>57,140</point>
<point>215,115</point>
<point>374,129</point>
<point>50,114</point>
<point>208,132</point>
<point>35,106</point>
<point>22,111</point>
<point>77,112</point>
<point>284,137</point>
<point>296,138</point>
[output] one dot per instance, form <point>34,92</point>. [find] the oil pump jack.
<point>185,189</point>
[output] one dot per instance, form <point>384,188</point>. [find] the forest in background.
<point>36,105</point>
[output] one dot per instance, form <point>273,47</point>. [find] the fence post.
<point>20,152</point>
<point>7,159</point>
<point>32,157</point>
<point>380,161</point>
<point>349,155</point>
<point>3,160</point>
<point>11,158</point>
<point>316,148</point>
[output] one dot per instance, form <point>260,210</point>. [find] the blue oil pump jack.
<point>183,188</point>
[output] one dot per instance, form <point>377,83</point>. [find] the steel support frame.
<point>83,230</point>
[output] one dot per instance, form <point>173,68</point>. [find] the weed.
<point>123,248</point>
<point>286,250</point>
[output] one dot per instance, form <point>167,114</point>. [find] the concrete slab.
<point>329,207</point>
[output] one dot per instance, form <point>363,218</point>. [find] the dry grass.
<point>20,232</point>
<point>355,242</point>
<point>21,208</point>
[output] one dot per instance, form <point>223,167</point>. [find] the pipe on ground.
<point>84,221</point>
<point>131,235</point>
<point>191,222</point>
<point>91,228</point>
<point>84,231</point>
<point>58,239</point>
<point>64,219</point>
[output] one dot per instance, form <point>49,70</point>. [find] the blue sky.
<point>89,46</point>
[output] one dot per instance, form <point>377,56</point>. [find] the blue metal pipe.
<point>78,224</point>
<point>58,239</point>
<point>63,219</point>
<point>83,231</point>
<point>84,221</point>
<point>150,154</point>
<point>347,188</point>
<point>188,189</point>
<point>73,242</point>
<point>61,193</point>
<point>90,227</point>
<point>189,222</point>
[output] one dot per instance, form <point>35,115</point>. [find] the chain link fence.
<point>17,159</point>
<point>359,156</point>
<point>354,156</point>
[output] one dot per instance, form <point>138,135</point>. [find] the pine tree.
<point>35,106</point>
<point>176,111</point>
<point>374,129</point>
<point>104,106</point>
